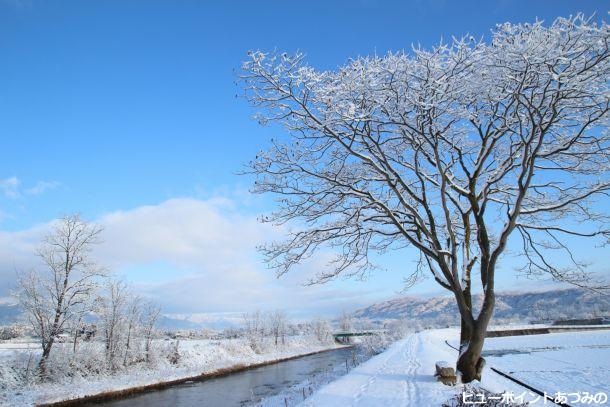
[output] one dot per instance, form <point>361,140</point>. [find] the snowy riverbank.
<point>197,357</point>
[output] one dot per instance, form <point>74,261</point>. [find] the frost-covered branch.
<point>447,150</point>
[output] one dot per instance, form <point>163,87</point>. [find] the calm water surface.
<point>240,388</point>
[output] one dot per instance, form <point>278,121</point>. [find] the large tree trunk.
<point>470,363</point>
<point>465,332</point>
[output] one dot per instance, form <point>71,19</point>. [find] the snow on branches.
<point>448,150</point>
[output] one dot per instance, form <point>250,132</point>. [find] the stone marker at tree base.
<point>445,373</point>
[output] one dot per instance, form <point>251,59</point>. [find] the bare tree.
<point>150,316</point>
<point>254,326</point>
<point>450,151</point>
<point>278,323</point>
<point>321,330</point>
<point>127,323</point>
<point>134,309</point>
<point>346,322</point>
<point>52,297</point>
<point>76,325</point>
<point>112,315</point>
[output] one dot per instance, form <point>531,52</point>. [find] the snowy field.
<point>403,375</point>
<point>559,362</point>
<point>197,357</point>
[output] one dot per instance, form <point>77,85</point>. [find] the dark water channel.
<point>246,387</point>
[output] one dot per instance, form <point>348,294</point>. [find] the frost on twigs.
<point>448,150</point>
<point>451,151</point>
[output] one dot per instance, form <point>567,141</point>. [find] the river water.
<point>281,383</point>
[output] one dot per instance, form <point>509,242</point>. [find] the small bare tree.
<point>53,296</point>
<point>254,326</point>
<point>134,309</point>
<point>76,325</point>
<point>346,322</point>
<point>149,317</point>
<point>112,316</point>
<point>278,323</point>
<point>127,323</point>
<point>321,330</point>
<point>450,151</point>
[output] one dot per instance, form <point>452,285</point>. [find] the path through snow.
<point>401,376</point>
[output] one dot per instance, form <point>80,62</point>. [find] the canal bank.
<point>86,375</point>
<point>127,394</point>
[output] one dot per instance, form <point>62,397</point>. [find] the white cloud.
<point>12,187</point>
<point>41,187</point>
<point>193,256</point>
<point>17,254</point>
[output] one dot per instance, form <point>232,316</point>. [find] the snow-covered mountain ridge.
<point>531,306</point>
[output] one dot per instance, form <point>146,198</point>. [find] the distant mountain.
<point>11,313</point>
<point>171,324</point>
<point>529,306</point>
<point>435,311</point>
<point>208,320</point>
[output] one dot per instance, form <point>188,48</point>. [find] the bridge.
<point>345,337</point>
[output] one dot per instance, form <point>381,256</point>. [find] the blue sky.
<point>108,107</point>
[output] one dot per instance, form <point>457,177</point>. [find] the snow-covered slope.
<point>439,311</point>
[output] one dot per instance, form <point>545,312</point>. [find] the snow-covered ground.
<point>197,357</point>
<point>403,375</point>
<point>568,362</point>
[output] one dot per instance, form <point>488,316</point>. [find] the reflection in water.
<point>241,388</point>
